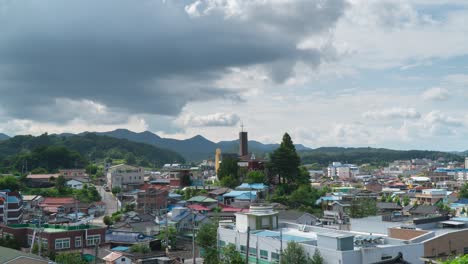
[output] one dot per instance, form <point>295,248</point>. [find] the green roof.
<point>202,199</point>
<point>55,228</point>
<point>7,254</point>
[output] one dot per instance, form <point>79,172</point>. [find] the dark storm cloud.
<point>145,56</point>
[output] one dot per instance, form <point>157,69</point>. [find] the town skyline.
<point>387,74</point>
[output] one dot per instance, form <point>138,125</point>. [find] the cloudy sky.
<point>387,73</point>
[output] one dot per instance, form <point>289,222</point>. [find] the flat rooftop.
<point>55,228</point>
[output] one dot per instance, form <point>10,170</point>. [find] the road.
<point>111,205</point>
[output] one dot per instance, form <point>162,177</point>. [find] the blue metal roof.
<point>238,193</point>
<point>272,234</point>
<point>254,186</point>
<point>120,248</point>
<point>246,196</point>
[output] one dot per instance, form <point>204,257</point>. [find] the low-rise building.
<point>152,198</point>
<point>75,184</point>
<point>58,205</point>
<point>125,176</point>
<point>431,196</point>
<point>56,237</point>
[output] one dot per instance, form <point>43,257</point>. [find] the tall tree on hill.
<point>285,161</point>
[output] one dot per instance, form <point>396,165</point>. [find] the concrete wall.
<point>454,242</point>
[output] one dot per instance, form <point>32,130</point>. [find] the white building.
<point>335,246</point>
<point>125,176</point>
<point>74,184</point>
<point>343,171</point>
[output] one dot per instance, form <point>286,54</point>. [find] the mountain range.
<point>196,148</point>
<point>3,136</point>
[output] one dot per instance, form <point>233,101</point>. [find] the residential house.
<point>218,193</point>
<point>75,184</point>
<point>60,206</point>
<point>11,207</point>
<point>41,180</point>
<point>116,258</point>
<point>75,174</point>
<point>57,237</point>
<point>385,208</point>
<point>125,176</point>
<point>31,204</point>
<point>13,256</point>
<point>128,238</point>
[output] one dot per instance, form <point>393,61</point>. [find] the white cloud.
<point>213,120</point>
<point>436,94</point>
<point>393,113</point>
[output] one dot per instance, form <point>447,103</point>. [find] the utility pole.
<point>281,244</point>
<point>167,234</point>
<point>248,246</point>
<point>193,237</point>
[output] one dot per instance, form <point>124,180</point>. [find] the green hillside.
<point>380,156</point>
<point>53,152</point>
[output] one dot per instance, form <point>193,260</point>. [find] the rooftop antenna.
<point>242,126</point>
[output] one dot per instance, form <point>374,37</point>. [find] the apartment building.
<point>125,176</point>
<point>11,207</point>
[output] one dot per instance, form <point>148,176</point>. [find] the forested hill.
<point>327,155</point>
<point>52,152</point>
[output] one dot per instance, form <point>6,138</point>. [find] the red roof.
<point>198,207</point>
<point>147,186</point>
<point>50,201</point>
<point>42,176</point>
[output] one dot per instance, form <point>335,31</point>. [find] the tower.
<point>217,159</point>
<point>243,142</point>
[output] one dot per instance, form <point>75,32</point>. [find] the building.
<point>251,162</point>
<point>430,196</point>
<point>41,180</point>
<point>75,184</point>
<point>76,174</point>
<point>11,207</point>
<point>125,176</point>
<point>152,198</point>
<point>13,256</point>
<point>116,258</point>
<point>243,143</point>
<point>60,206</point>
<point>217,159</point>
<point>56,237</point>
<point>267,239</point>
<point>342,171</point>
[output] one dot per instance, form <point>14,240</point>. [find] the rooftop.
<point>55,228</point>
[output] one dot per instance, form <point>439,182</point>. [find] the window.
<point>252,251</point>
<point>222,243</point>
<point>45,242</point>
<point>93,240</point>
<point>77,241</point>
<point>62,243</point>
<point>465,250</point>
<point>122,259</point>
<point>243,249</point>
<point>274,257</point>
<point>263,254</point>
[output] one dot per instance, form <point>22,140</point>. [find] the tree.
<point>255,177</point>
<point>171,237</point>
<point>107,220</point>
<point>116,190</point>
<point>406,201</point>
<point>9,182</point>
<point>229,181</point>
<point>60,184</point>
<point>463,192</point>
<point>294,254</point>
<point>458,260</point>
<point>316,258</point>
<point>140,248</point>
<point>69,258</point>
<point>207,239</point>
<point>91,169</point>
<point>285,161</point>
<point>130,159</point>
<point>185,180</point>
<point>231,255</point>
<point>228,167</point>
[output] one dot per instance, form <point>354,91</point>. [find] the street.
<point>111,205</point>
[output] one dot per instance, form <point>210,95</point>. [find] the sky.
<point>351,73</point>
